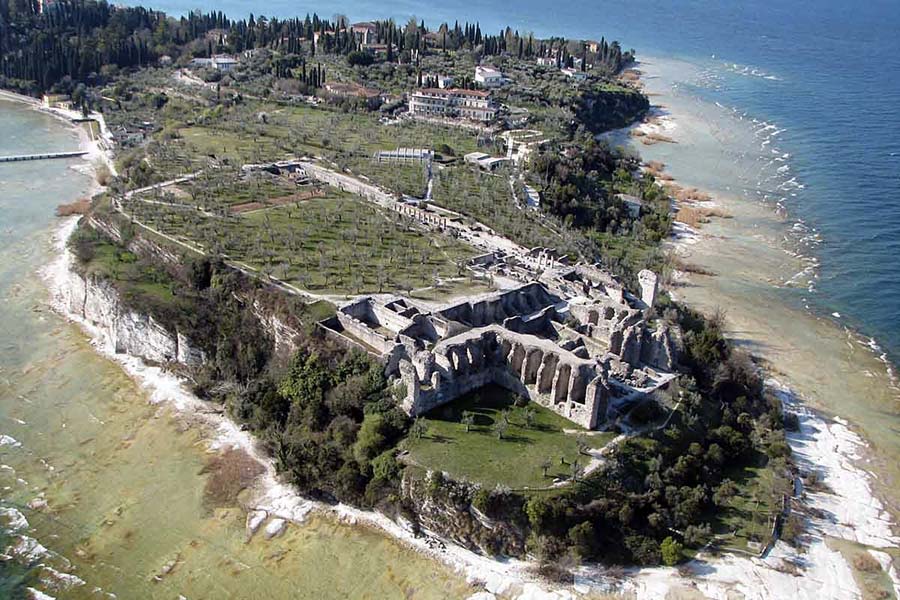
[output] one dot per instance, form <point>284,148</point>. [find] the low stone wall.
<point>366,334</point>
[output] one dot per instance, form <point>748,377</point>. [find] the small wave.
<point>15,520</point>
<point>26,549</point>
<point>8,440</point>
<point>59,581</point>
<point>750,71</point>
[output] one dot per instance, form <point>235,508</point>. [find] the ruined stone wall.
<point>498,307</point>
<point>369,336</point>
<point>388,318</point>
<point>661,348</point>
<point>527,365</point>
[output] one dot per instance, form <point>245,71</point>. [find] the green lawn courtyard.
<point>516,460</point>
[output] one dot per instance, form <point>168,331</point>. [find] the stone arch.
<point>475,353</point>
<point>546,372</point>
<point>578,387</point>
<point>490,349</point>
<point>517,358</point>
<point>503,351</point>
<point>561,385</point>
<point>460,362</point>
<point>533,360</point>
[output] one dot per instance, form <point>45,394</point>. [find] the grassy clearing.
<point>137,279</point>
<point>238,134</point>
<point>516,460</point>
<point>750,512</point>
<point>447,289</point>
<point>190,137</point>
<point>139,282</point>
<point>217,190</point>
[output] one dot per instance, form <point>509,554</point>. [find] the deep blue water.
<point>833,85</point>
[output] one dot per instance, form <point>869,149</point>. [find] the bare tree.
<point>468,419</point>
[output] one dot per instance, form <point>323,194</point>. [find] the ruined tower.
<point>649,281</point>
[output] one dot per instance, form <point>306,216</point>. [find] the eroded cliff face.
<point>127,331</point>
<point>284,336</point>
<point>447,510</point>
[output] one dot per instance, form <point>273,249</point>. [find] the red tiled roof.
<point>479,93</point>
<point>455,91</point>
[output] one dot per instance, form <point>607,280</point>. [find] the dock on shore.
<point>43,156</point>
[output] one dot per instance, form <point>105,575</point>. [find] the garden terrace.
<point>336,244</point>
<point>220,191</point>
<point>185,137</point>
<point>488,198</point>
<point>409,179</point>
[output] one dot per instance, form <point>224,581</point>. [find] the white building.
<point>546,61</point>
<point>453,103</point>
<point>219,62</point>
<point>574,74</point>
<point>488,76</point>
<point>485,161</point>
<point>365,33</point>
<point>444,81</point>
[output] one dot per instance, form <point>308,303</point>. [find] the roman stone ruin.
<point>568,337</point>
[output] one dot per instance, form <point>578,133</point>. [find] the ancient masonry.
<point>568,337</point>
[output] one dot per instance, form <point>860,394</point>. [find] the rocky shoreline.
<point>846,458</point>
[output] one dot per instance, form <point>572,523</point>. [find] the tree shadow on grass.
<point>543,427</point>
<point>518,439</point>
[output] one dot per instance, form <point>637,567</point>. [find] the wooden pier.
<point>44,156</point>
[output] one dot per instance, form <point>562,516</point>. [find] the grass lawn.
<point>481,457</point>
<point>218,190</point>
<point>750,511</point>
<point>140,283</point>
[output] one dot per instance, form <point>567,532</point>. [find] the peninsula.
<point>403,258</point>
